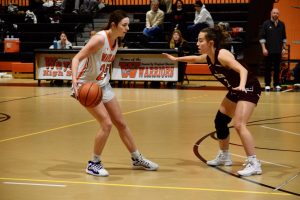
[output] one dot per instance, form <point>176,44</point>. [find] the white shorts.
<point>107,92</point>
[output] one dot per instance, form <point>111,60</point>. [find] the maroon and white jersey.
<point>230,78</point>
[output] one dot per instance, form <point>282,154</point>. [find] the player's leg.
<point>243,112</point>
<point>114,110</point>
<point>277,60</point>
<point>222,119</point>
<point>268,72</point>
<point>95,166</point>
<point>138,160</point>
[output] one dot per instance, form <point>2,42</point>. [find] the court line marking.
<point>33,184</point>
<point>148,186</point>
<point>280,130</point>
<point>287,90</point>
<point>84,122</point>
<point>44,131</point>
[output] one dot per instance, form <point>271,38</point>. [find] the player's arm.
<point>189,59</point>
<point>94,44</point>
<point>227,60</point>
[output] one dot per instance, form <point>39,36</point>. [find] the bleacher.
<point>41,35</point>
<point>236,14</point>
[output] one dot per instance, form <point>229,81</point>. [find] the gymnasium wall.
<point>290,14</point>
<point>147,2</point>
<point>128,2</point>
<point>15,2</point>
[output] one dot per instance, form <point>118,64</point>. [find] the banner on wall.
<point>144,67</point>
<point>53,66</point>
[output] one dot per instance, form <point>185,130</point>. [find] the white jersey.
<point>96,67</point>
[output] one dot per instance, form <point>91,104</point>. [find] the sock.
<point>96,158</point>
<point>136,154</point>
<point>252,158</point>
<point>225,152</point>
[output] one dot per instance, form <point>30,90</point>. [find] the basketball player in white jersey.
<point>92,63</point>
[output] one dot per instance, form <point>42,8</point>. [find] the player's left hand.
<point>76,87</point>
<point>169,56</point>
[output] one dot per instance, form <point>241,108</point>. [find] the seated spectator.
<point>89,6</point>
<point>154,21</point>
<point>92,33</point>
<point>178,17</point>
<point>12,9</point>
<point>48,3</point>
<point>296,72</point>
<point>30,17</point>
<point>202,20</point>
<point>178,42</point>
<point>168,4</point>
<point>101,4</point>
<point>63,43</point>
<point>64,4</point>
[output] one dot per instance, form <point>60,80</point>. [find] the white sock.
<point>225,152</point>
<point>96,158</point>
<point>252,158</point>
<point>136,154</point>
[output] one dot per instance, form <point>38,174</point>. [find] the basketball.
<point>89,94</point>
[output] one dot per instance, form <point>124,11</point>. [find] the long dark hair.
<point>218,34</point>
<point>115,17</point>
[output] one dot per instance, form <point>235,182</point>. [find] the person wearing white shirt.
<point>202,20</point>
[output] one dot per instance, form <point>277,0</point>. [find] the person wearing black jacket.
<point>273,43</point>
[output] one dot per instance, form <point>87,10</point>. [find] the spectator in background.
<point>63,43</point>
<point>101,4</point>
<point>67,2</point>
<point>178,42</point>
<point>296,72</point>
<point>168,4</point>
<point>89,6</point>
<point>202,20</point>
<point>273,43</point>
<point>154,21</point>
<point>178,17</point>
<point>48,3</point>
<point>92,33</point>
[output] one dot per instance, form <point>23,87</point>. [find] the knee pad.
<point>221,125</point>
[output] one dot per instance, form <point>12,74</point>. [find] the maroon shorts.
<point>252,95</point>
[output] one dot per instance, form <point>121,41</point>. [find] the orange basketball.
<point>89,94</point>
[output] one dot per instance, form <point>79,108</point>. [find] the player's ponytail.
<point>115,17</point>
<point>218,34</point>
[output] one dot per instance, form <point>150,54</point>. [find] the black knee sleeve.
<point>221,122</point>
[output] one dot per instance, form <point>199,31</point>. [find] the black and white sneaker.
<point>96,169</point>
<point>143,163</point>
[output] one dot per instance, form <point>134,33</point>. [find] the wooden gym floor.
<point>46,138</point>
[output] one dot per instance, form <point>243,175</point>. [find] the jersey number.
<point>103,71</point>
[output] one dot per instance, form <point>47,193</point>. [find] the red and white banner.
<point>133,67</point>
<point>144,67</point>
<point>53,66</point>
